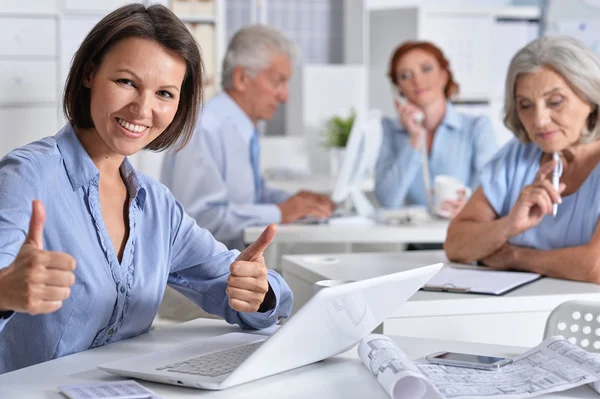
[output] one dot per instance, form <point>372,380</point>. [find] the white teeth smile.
<point>131,127</point>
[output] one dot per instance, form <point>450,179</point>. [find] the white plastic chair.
<point>579,322</point>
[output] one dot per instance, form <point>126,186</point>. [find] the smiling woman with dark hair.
<point>88,243</point>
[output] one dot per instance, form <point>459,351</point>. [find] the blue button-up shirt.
<point>213,177</point>
<point>516,166</point>
<point>110,300</point>
<point>462,144</point>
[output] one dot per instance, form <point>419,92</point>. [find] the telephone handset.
<point>418,118</point>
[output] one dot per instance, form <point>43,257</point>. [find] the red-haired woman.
<point>457,144</point>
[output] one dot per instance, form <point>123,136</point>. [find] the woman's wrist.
<point>506,228</point>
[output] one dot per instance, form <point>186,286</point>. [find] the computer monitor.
<point>359,160</point>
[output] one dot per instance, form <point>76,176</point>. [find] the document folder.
<point>478,280</point>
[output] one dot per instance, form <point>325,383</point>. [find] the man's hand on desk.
<point>248,286</point>
<point>37,281</point>
<point>321,199</point>
<point>306,203</point>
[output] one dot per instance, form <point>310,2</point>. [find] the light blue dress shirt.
<point>110,300</point>
<point>514,167</point>
<point>213,175</point>
<point>462,144</point>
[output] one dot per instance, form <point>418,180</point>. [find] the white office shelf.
<point>516,12</point>
<point>198,19</point>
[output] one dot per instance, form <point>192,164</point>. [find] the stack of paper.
<point>553,366</point>
<point>127,389</point>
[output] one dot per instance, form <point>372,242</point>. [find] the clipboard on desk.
<point>478,280</point>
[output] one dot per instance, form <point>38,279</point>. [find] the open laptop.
<point>334,320</point>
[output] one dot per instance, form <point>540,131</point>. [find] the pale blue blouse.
<point>461,146</point>
<point>514,167</point>
<point>110,300</point>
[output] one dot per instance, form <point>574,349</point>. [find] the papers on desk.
<point>409,215</point>
<point>478,280</point>
<point>127,389</point>
<point>553,366</point>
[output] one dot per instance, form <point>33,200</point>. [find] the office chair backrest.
<point>578,321</point>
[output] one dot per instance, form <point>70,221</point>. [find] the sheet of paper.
<point>397,374</point>
<point>127,389</point>
<point>553,366</point>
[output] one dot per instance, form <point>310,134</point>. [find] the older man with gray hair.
<point>216,176</point>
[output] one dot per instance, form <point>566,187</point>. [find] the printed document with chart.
<point>554,365</point>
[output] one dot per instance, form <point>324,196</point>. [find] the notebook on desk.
<point>478,280</point>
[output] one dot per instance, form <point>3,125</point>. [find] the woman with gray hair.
<point>539,202</point>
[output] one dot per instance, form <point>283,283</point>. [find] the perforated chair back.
<point>578,321</point>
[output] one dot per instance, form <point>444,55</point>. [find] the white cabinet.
<point>104,6</point>
<point>24,81</point>
<point>28,71</point>
<point>74,29</point>
<point>29,6</point>
<point>205,20</point>
<point>22,125</point>
<point>27,36</point>
<point>465,39</point>
<point>194,8</point>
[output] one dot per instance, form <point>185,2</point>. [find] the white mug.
<point>446,188</point>
<point>319,285</point>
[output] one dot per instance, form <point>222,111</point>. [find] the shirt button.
<point>122,290</point>
<point>111,331</point>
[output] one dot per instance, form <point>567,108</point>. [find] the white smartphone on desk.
<point>468,360</point>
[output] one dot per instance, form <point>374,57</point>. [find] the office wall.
<point>577,18</point>
<point>560,10</point>
<point>317,93</point>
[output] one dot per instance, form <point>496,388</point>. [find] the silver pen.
<point>556,174</point>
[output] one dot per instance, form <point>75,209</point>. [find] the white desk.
<point>516,318</point>
<point>298,238</point>
<point>343,376</point>
<point>431,232</point>
<point>317,183</point>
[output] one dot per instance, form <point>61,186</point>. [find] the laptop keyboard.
<point>214,364</point>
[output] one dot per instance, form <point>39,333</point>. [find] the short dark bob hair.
<point>156,23</point>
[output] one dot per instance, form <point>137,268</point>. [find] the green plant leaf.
<point>338,130</point>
